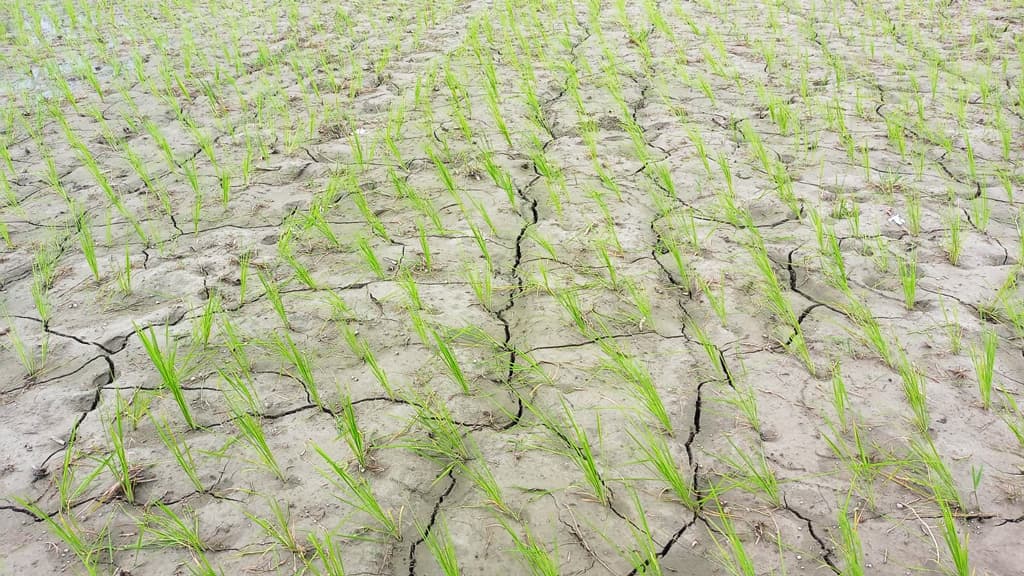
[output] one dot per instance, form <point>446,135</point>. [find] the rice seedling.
<point>124,276</point>
<point>444,442</point>
<point>641,383</point>
<point>67,488</point>
<point>754,473</point>
<point>954,241</point>
<point>742,398</point>
<point>286,252</point>
<point>370,258</point>
<point>120,466</point>
<point>203,324</point>
<point>849,545</point>
<point>450,361</point>
<point>273,294</point>
<point>439,542</point>
<point>300,363</point>
<point>181,451</point>
<point>172,370</point>
<point>243,274</point>
<point>981,211</point>
<point>955,543</point>
<point>90,550</point>
<point>840,397</point>
<point>32,359</point>
<point>732,553</point>
<point>348,427</point>
<point>659,459</point>
<point>279,528</point>
<point>914,213</point>
<point>914,389</point>
<point>480,474</point>
<point>331,558</point>
<point>250,429</point>
<point>984,359</point>
<point>936,476</point>
<point>908,279</point>
<point>646,558</point>
<point>580,450</point>
<point>482,285</point>
<point>165,528</point>
<point>870,330</point>
<point>535,557</point>
<point>360,496</point>
<point>85,241</point>
<point>371,218</point>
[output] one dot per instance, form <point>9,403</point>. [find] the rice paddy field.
<point>627,287</point>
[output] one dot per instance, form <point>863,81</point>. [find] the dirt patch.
<point>526,287</point>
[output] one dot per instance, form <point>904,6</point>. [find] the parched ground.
<point>632,287</point>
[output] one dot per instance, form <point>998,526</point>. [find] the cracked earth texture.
<point>630,130</point>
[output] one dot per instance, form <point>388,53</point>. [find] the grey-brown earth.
<point>639,227</point>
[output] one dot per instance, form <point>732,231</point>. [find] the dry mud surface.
<point>528,247</point>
